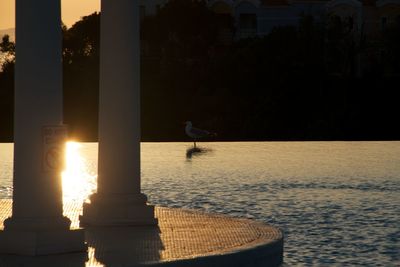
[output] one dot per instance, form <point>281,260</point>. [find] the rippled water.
<point>338,203</point>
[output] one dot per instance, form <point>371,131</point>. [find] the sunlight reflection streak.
<point>77,182</point>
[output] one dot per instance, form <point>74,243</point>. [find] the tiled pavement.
<point>182,238</point>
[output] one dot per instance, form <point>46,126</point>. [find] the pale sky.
<point>72,11</point>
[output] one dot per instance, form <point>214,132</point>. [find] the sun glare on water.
<point>77,182</point>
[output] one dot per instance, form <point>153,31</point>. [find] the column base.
<point>40,236</point>
<point>117,210</point>
<point>29,241</point>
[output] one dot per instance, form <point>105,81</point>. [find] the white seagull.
<point>195,133</point>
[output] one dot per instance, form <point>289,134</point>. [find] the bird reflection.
<point>196,151</point>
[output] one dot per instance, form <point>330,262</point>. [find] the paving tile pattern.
<point>181,234</point>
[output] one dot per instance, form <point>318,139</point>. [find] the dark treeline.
<point>317,81</point>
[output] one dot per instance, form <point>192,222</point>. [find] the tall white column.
<point>119,200</point>
<point>37,225</point>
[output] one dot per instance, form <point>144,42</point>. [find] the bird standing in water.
<point>195,133</point>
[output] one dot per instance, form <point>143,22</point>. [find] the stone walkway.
<point>182,238</point>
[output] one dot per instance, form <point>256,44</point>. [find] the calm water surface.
<point>338,203</point>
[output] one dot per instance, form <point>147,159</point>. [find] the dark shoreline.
<point>237,140</point>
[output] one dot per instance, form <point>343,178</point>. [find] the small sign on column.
<point>54,139</point>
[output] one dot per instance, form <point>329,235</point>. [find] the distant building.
<point>150,7</point>
<point>259,17</point>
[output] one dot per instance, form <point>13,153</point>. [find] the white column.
<point>119,200</point>
<point>37,225</point>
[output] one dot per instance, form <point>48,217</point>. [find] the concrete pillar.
<point>37,225</point>
<point>119,200</point>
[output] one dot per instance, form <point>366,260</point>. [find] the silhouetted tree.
<point>81,76</point>
<point>391,48</point>
<point>7,49</point>
<point>180,41</point>
<point>296,83</point>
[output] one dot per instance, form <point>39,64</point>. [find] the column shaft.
<point>119,200</point>
<point>37,224</point>
<point>119,107</point>
<point>38,102</point>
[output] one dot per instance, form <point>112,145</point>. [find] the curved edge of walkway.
<point>183,238</point>
<point>266,250</point>
<point>266,255</point>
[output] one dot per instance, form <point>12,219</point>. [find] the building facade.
<point>258,17</point>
